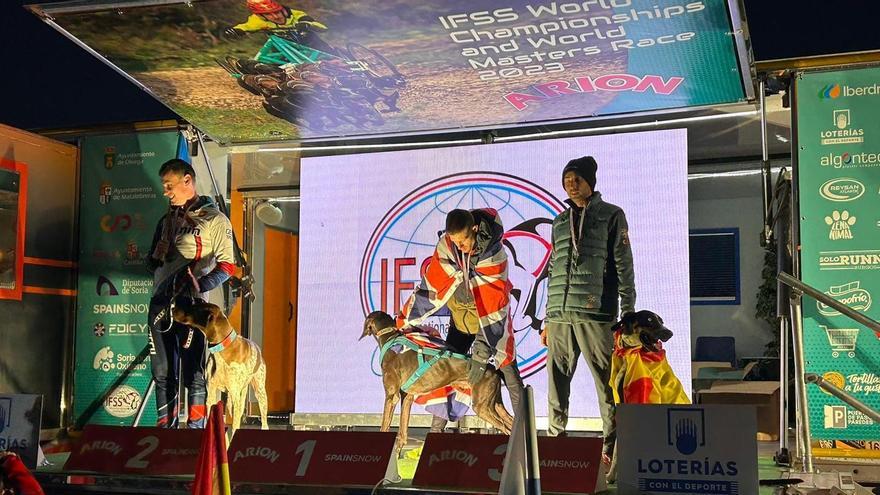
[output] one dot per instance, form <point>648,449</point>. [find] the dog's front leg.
<point>212,392</point>
<point>405,408</point>
<point>388,413</point>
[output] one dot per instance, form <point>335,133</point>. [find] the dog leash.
<point>169,310</point>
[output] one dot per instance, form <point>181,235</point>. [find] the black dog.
<point>640,373</point>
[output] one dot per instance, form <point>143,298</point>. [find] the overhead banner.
<point>267,70</point>
<point>370,222</point>
<point>838,165</point>
<point>120,203</point>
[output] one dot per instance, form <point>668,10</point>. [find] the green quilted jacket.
<point>590,284</point>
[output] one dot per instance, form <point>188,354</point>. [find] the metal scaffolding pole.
<point>782,456</point>
<point>784,248</point>
<point>765,163</point>
<point>804,439</point>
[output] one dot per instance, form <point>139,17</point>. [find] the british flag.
<point>487,280</point>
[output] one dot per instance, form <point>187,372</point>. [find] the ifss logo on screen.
<point>403,241</point>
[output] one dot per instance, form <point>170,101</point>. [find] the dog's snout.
<point>369,327</point>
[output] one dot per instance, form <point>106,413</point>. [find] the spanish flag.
<point>212,466</point>
<point>639,376</point>
<point>16,476</point>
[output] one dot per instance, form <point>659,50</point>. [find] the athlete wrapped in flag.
<point>468,274</point>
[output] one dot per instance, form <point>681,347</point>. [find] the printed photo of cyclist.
<point>268,15</point>
<point>306,81</point>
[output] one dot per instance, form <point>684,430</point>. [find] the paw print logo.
<point>685,430</point>
<point>99,329</point>
<point>840,223</point>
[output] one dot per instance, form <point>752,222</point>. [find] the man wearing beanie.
<point>591,266</point>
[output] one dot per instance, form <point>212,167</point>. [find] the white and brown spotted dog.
<point>234,362</point>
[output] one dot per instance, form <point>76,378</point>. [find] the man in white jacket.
<point>192,253</point>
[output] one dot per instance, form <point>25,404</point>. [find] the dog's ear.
<point>181,316</point>
<point>202,315</point>
<point>219,319</point>
<point>625,324</point>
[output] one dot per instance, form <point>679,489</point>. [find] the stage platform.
<point>55,480</point>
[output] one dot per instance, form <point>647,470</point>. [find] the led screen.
<point>369,222</point>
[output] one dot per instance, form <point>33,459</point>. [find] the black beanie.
<point>585,167</point>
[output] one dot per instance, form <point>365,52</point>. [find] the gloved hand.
<point>232,34</point>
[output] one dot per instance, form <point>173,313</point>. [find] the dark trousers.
<point>567,341</point>
<point>178,343</point>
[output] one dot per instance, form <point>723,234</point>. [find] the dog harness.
<point>433,356</point>
<point>226,342</point>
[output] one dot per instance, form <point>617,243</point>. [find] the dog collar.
<point>223,343</point>
<point>385,330</point>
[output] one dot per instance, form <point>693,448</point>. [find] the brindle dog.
<point>398,367</point>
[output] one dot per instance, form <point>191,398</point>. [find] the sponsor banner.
<point>474,462</point>
<point>338,458</point>
<point>686,450</point>
<point>398,204</point>
<point>332,68</point>
<point>120,204</point>
<point>20,425</point>
<point>145,451</point>
<point>838,156</point>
